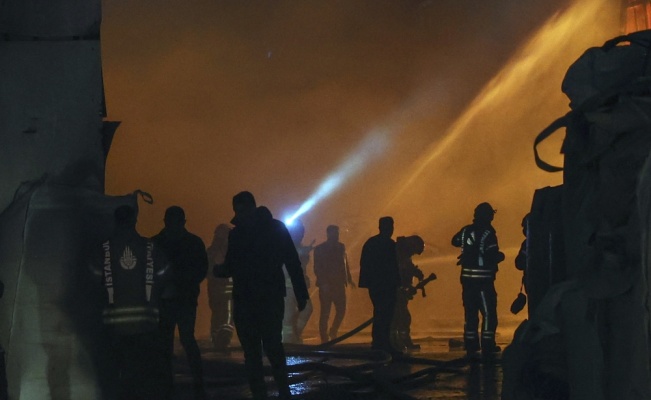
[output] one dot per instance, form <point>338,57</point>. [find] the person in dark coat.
<point>479,257</point>
<point>332,277</point>
<point>131,266</point>
<point>258,247</point>
<point>379,273</point>
<point>186,253</point>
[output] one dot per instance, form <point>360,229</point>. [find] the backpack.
<point>608,138</point>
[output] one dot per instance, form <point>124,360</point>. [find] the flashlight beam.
<point>375,143</point>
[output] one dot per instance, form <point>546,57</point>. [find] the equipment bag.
<point>607,142</point>
<point>545,257</point>
<point>608,138</point>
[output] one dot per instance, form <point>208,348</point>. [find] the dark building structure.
<point>54,140</point>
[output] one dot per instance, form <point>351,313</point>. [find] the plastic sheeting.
<point>50,114</point>
<point>50,316</point>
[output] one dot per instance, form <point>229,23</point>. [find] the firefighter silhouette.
<point>294,321</point>
<point>220,293</point>
<point>406,247</point>
<point>479,257</point>
<point>131,267</point>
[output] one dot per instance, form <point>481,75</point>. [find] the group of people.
<point>387,271</point>
<point>333,276</point>
<point>258,288</point>
<point>152,287</point>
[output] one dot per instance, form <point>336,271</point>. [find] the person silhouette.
<point>332,277</point>
<point>479,257</point>
<point>131,266</point>
<point>188,264</point>
<point>294,321</point>
<point>258,247</point>
<point>379,273</point>
<point>220,293</point>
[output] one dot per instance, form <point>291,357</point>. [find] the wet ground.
<point>349,370</point>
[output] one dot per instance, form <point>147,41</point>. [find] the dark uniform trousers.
<point>479,297</point>
<point>141,359</point>
<point>384,303</point>
<point>183,314</point>
<point>402,320</point>
<point>259,327</point>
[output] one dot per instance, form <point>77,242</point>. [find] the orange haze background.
<point>221,96</point>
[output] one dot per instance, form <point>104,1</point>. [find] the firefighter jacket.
<point>407,247</point>
<point>480,252</point>
<point>129,266</point>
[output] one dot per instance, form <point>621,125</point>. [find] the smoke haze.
<point>271,96</point>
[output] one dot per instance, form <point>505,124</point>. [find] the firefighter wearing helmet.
<point>480,255</point>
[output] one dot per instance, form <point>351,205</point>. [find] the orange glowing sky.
<point>271,96</point>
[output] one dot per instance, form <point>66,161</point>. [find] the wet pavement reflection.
<point>439,370</point>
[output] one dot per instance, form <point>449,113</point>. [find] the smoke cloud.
<point>270,96</point>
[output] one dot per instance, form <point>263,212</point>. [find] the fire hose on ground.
<point>376,360</point>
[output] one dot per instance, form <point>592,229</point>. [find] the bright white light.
<point>373,145</point>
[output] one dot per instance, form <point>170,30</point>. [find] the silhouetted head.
<point>243,202</point>
<point>297,231</point>
<point>386,226</point>
<point>263,214</point>
<point>125,217</point>
<point>413,244</point>
<point>332,233</point>
<point>174,218</point>
<point>484,212</point>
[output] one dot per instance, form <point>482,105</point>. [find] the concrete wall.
<point>51,125</point>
